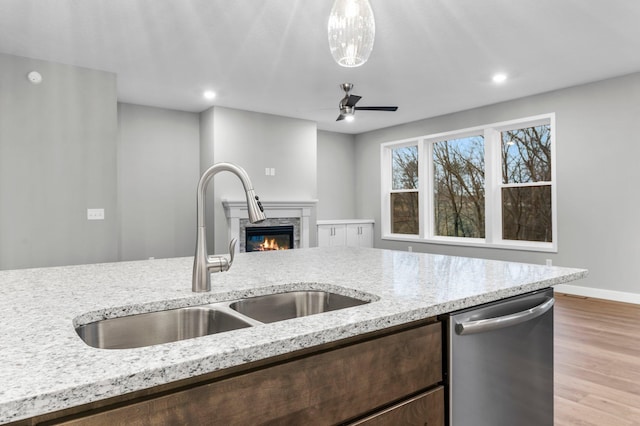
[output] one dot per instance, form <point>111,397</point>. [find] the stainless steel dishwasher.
<point>500,362</point>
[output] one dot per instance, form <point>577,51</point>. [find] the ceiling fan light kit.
<point>352,30</point>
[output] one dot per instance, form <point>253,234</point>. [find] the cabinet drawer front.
<point>325,388</point>
<point>426,409</point>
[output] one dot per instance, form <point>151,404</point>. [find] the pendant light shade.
<point>352,30</point>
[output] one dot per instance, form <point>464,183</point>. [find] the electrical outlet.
<point>95,214</point>
<point>549,262</point>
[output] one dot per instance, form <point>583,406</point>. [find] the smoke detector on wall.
<point>35,77</point>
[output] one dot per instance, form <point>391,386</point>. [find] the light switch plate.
<point>95,214</point>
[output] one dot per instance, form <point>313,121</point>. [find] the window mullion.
<point>526,184</point>
<point>385,201</point>
<point>554,185</point>
<point>488,184</point>
<point>426,189</point>
<point>493,212</point>
<point>402,191</point>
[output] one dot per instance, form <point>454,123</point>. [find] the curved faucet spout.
<point>203,265</point>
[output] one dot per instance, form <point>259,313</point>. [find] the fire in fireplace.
<point>265,238</point>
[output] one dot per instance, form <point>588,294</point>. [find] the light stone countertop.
<point>45,367</point>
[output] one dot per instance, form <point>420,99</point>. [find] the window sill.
<point>476,242</point>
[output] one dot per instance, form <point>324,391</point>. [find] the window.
<point>459,187</point>
<point>487,186</point>
<point>526,184</point>
<point>404,191</point>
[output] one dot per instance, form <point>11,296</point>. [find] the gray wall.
<point>66,145</point>
<point>336,176</point>
<point>597,173</point>
<point>256,141</point>
<point>57,158</point>
<point>158,163</point>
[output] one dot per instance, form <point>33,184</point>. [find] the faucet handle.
<point>232,251</point>
<point>221,263</point>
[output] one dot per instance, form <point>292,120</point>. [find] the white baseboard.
<point>598,293</point>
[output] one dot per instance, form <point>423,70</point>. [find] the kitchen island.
<point>45,367</point>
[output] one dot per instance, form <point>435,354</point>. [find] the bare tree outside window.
<point>526,208</point>
<point>405,168</point>
<point>459,187</point>
<point>404,197</point>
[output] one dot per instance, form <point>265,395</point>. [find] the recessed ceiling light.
<point>209,94</point>
<point>35,77</point>
<point>499,78</point>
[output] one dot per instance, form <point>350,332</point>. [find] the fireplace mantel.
<point>237,209</point>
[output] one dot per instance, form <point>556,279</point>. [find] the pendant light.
<point>352,30</point>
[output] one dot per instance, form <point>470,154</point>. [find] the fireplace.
<point>279,213</point>
<point>266,238</point>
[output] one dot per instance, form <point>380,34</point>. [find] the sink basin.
<point>153,328</point>
<point>282,306</point>
<point>157,327</point>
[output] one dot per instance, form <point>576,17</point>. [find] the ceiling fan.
<point>348,104</point>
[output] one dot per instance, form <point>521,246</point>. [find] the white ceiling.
<point>430,57</point>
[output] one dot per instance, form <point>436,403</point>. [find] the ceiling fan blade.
<point>377,108</point>
<point>340,117</point>
<point>353,99</point>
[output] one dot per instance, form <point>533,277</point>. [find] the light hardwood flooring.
<point>597,362</point>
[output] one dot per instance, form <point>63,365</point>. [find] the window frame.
<point>387,172</point>
<point>493,186</point>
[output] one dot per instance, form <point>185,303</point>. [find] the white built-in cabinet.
<point>348,232</point>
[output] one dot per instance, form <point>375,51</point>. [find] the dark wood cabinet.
<point>335,384</point>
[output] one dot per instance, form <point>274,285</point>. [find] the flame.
<point>270,244</point>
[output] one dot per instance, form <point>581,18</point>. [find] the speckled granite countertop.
<point>44,366</point>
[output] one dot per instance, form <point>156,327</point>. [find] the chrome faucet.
<point>203,264</point>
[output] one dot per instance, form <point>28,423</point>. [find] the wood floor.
<point>597,362</point>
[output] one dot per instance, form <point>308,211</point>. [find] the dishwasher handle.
<point>490,324</point>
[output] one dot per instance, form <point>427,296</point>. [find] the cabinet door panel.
<point>360,235</point>
<point>366,235</point>
<point>353,235</point>
<point>426,409</point>
<point>339,235</point>
<point>324,235</point>
<point>331,235</point>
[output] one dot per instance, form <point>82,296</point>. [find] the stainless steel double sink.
<point>154,328</point>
